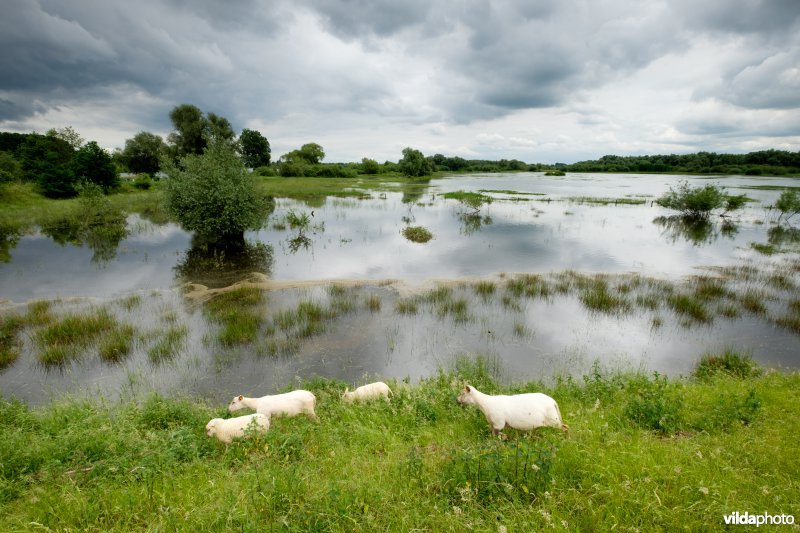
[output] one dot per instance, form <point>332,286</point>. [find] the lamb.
<point>368,392</point>
<point>519,411</point>
<point>287,404</point>
<point>225,430</point>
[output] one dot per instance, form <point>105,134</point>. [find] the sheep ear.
<point>467,389</point>
<point>241,397</point>
<point>346,389</point>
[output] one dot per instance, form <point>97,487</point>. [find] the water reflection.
<point>9,237</point>
<point>473,221</point>
<point>780,235</point>
<point>219,264</point>
<point>414,189</point>
<point>301,240</point>
<point>676,228</point>
<point>101,229</point>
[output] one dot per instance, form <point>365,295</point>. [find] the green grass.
<point>240,314</point>
<point>598,297</point>
<point>419,462</point>
<point>691,307</point>
<point>417,234</point>
<point>10,326</point>
<point>67,337</point>
<point>730,362</point>
<point>168,344</point>
<point>591,200</point>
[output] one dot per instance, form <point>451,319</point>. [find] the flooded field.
<point>551,276</point>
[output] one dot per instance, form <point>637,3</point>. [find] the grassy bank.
<point>644,452</point>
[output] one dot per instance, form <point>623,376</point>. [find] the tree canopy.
<point>254,148</point>
<point>47,160</point>
<point>213,194</point>
<point>414,163</point>
<point>142,153</point>
<point>189,135</point>
<point>93,164</point>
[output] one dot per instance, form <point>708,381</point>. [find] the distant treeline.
<point>766,162</point>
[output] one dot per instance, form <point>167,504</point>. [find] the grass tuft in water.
<point>485,289</point>
<point>597,297</point>
<point>169,345</point>
<point>10,326</point>
<point>240,313</point>
<point>690,307</point>
<point>417,234</point>
<point>730,363</point>
<point>406,306</point>
<point>373,303</point>
<point>117,343</point>
<point>66,338</point>
<point>752,300</point>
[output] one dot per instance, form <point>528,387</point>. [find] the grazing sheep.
<point>287,404</point>
<point>368,392</point>
<point>225,430</point>
<point>520,411</point>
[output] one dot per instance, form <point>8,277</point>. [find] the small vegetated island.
<point>644,450</point>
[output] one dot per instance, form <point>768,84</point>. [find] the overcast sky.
<point>536,80</point>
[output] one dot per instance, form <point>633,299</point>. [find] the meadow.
<point>644,452</point>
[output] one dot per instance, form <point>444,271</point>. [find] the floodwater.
<point>538,224</point>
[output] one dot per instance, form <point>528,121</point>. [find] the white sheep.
<point>287,404</point>
<point>225,430</point>
<point>519,411</point>
<point>368,392</point>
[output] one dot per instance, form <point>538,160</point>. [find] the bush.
<point>729,362</point>
<point>142,181</point>
<point>654,404</point>
<point>214,195</point>
<point>788,203</point>
<point>698,203</point>
<point>265,171</point>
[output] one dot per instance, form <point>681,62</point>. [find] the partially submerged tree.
<point>214,196</point>
<point>698,203</point>
<point>788,204</point>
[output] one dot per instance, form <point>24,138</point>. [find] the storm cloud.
<point>546,80</point>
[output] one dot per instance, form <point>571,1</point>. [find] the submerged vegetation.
<point>417,234</point>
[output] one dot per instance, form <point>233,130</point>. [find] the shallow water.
<point>361,239</point>
<point>348,239</point>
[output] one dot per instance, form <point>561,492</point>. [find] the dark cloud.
<point>408,63</point>
<point>352,19</point>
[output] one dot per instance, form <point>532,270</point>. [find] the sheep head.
<point>236,404</point>
<point>467,397</point>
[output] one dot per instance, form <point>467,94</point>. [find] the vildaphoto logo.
<point>764,519</point>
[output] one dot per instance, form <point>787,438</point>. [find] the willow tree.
<point>214,196</point>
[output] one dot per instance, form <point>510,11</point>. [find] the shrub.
<point>213,195</point>
<point>728,362</point>
<point>142,181</point>
<point>788,204</point>
<point>265,171</point>
<point>698,203</point>
<point>654,404</point>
